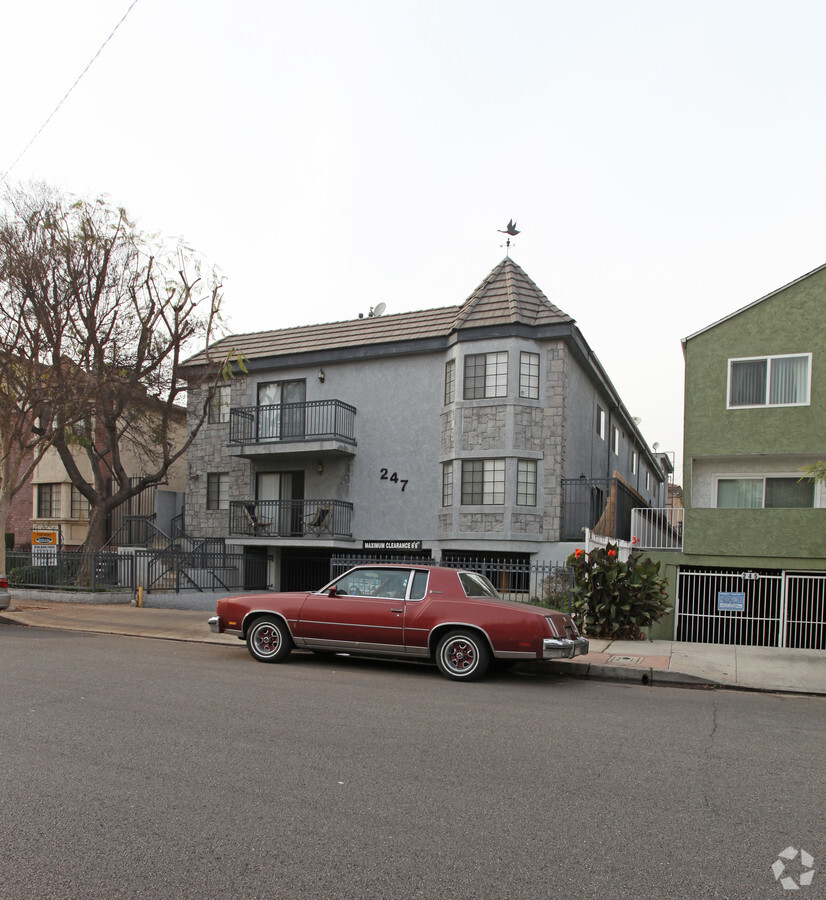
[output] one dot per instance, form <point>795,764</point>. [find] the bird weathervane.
<point>511,231</point>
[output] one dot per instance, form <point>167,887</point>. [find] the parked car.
<point>452,616</point>
<point>5,596</point>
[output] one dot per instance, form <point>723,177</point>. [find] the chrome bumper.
<point>564,648</point>
<point>214,624</point>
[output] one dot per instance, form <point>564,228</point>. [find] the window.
<point>450,381</point>
<point>634,462</point>
<point>770,381</point>
<point>526,482</point>
<point>486,375</point>
<point>219,405</point>
<point>615,440</point>
<point>447,484</point>
<point>80,505</point>
<point>218,490</point>
<point>765,493</point>
<point>529,375</point>
<point>48,501</point>
<point>600,421</point>
<point>483,481</point>
<point>647,479</point>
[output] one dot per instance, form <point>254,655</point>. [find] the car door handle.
<point>397,610</point>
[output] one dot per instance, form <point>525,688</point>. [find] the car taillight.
<point>4,582</point>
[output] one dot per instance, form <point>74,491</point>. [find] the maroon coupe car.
<point>452,616</point>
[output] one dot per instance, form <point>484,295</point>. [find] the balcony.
<point>293,519</point>
<point>316,426</point>
<point>657,529</point>
<point>602,505</point>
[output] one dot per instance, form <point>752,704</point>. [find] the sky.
<point>665,162</point>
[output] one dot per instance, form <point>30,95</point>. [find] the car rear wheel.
<point>268,640</point>
<point>462,655</point>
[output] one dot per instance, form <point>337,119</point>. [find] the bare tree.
<point>34,375</point>
<point>118,312</point>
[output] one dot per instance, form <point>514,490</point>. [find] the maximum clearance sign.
<point>391,545</point>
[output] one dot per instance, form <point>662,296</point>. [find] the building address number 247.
<point>394,478</point>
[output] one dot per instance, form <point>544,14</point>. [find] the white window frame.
<point>615,440</point>
<point>634,462</point>
<point>763,476</point>
<point>600,422</point>
<point>767,394</point>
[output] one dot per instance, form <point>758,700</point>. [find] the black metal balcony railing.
<point>311,421</point>
<point>602,505</point>
<point>311,519</point>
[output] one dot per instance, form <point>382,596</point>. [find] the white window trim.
<point>817,500</point>
<point>600,422</point>
<point>767,405</point>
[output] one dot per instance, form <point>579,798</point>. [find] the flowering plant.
<point>616,599</point>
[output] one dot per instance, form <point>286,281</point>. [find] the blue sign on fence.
<point>731,601</point>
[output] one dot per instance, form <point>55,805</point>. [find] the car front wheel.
<point>268,640</point>
<point>462,655</point>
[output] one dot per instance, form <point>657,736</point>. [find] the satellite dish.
<point>378,309</point>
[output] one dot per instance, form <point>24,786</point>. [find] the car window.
<point>390,583</point>
<point>419,589</point>
<point>476,585</point>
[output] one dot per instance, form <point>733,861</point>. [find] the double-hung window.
<point>529,375</point>
<point>526,482</point>
<point>483,482</point>
<point>486,375</point>
<point>218,490</point>
<point>770,381</point>
<point>48,501</point>
<point>80,505</point>
<point>219,405</point>
<point>447,483</point>
<point>450,381</point>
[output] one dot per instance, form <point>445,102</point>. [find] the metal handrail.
<point>288,422</point>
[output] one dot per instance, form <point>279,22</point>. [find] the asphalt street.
<point>161,769</point>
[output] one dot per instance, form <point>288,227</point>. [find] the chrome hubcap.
<point>460,655</point>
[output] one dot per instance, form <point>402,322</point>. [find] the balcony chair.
<point>259,526</point>
<point>319,521</point>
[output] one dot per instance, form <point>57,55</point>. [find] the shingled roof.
<point>506,296</point>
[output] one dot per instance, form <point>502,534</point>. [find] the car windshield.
<point>476,585</point>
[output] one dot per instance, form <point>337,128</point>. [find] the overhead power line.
<point>66,95</point>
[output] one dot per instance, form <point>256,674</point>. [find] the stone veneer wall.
<point>484,427</point>
<point>516,427</point>
<point>208,453</point>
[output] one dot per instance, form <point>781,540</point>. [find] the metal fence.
<point>657,529</point>
<point>540,584</point>
<point>766,608</point>
<point>602,505</point>
<point>205,568</point>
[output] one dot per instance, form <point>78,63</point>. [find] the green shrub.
<point>614,599</point>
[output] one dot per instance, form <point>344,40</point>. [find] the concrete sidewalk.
<point>644,662</point>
